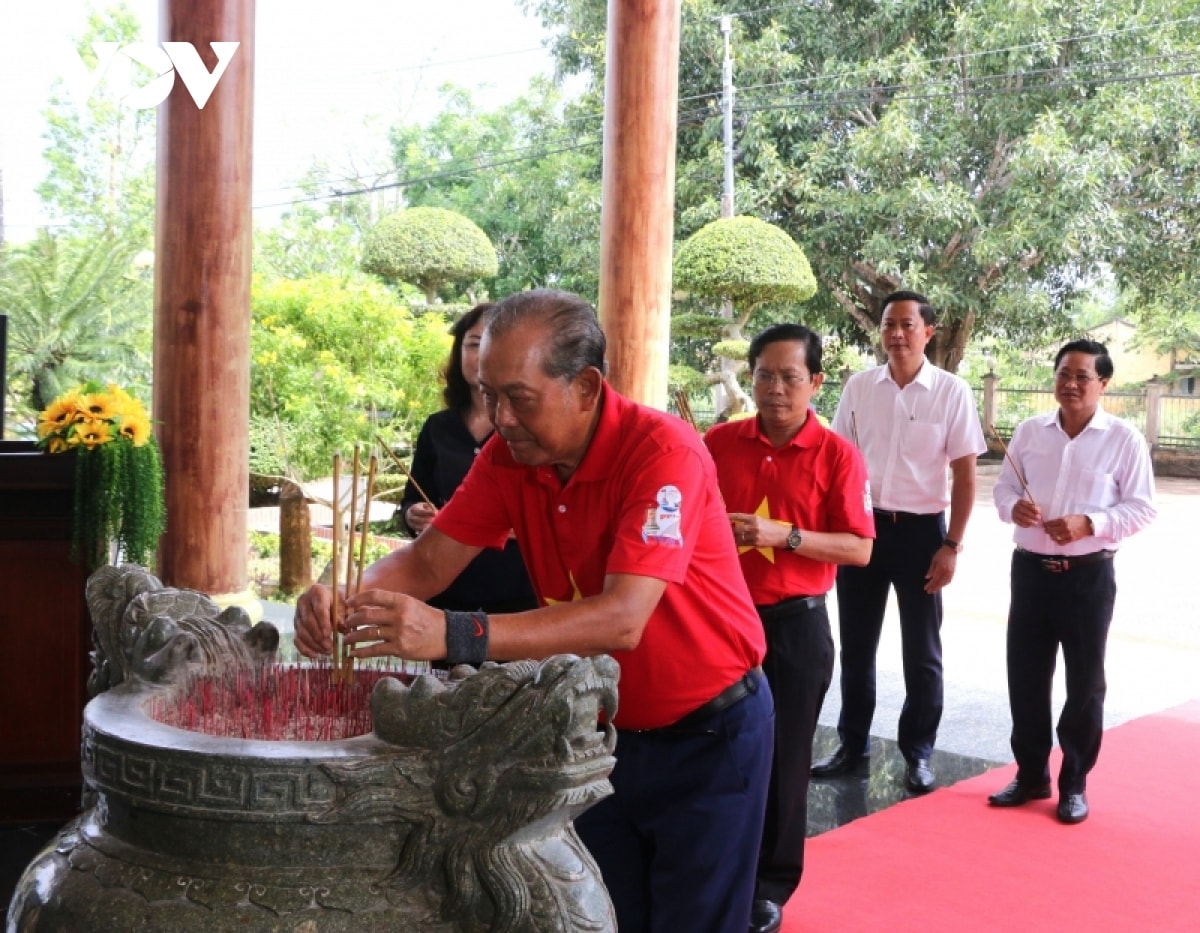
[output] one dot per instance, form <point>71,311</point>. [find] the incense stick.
<point>854,428</point>
<point>345,671</point>
<point>404,470</point>
<point>337,635</point>
<point>1012,463</point>
<point>685,408</point>
<point>362,544</point>
<point>350,528</point>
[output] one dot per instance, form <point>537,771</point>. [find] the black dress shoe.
<point>765,917</point>
<point>918,777</point>
<point>1072,808</point>
<point>1017,794</point>
<point>842,761</point>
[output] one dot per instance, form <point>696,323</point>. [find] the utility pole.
<point>727,111</point>
<point>728,367</point>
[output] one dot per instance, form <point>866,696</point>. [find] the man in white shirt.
<point>911,421</point>
<point>1075,484</point>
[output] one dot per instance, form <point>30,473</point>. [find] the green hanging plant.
<point>118,472</point>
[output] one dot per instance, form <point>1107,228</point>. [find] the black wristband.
<point>466,637</point>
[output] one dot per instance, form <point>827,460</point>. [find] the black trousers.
<point>1072,609</point>
<point>677,839</point>
<point>900,559</point>
<point>799,668</point>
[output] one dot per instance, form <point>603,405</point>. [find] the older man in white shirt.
<point>1076,483</point>
<point>911,421</point>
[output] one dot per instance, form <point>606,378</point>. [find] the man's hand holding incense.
<point>1026,514</point>
<point>418,515</point>
<point>381,623</point>
<point>313,624</point>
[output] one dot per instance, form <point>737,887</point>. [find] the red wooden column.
<point>638,200</point>
<point>202,305</point>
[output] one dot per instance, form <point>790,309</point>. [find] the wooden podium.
<point>45,637</point>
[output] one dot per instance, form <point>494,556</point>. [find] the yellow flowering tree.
<point>118,471</point>
<point>337,361</point>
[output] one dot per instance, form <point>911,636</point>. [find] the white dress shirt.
<point>908,436</point>
<point>1104,472</point>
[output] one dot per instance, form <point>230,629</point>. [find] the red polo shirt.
<point>817,482</point>
<point>643,501</point>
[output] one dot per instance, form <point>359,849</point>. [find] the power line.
<point>980,85</point>
<point>837,96</point>
<point>941,60</point>
<point>437,176</point>
<point>698,116</point>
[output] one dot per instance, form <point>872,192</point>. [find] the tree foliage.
<point>101,152</point>
<point>79,311</point>
<point>336,361</point>
<point>527,172</point>
<point>430,247</point>
<point>311,240</point>
<point>747,262</point>
<point>1168,321</point>
<point>744,260</point>
<point>80,300</point>
<point>994,155</point>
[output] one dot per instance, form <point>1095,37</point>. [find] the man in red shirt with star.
<point>619,519</point>
<point>800,504</point>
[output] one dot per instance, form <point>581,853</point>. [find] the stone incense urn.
<point>450,810</point>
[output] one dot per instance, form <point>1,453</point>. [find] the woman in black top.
<point>495,581</point>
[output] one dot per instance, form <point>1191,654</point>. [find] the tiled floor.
<point>836,801</point>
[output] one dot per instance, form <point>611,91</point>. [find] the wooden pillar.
<point>202,305</point>
<point>638,201</point>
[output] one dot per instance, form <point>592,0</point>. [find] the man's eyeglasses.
<point>1083,380</point>
<point>766,379</point>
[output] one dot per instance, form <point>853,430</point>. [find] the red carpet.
<point>949,862</point>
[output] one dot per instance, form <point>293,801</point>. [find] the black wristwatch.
<point>793,538</point>
<point>952,544</point>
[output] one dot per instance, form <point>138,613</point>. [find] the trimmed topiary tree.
<point>429,247</point>
<point>747,262</point>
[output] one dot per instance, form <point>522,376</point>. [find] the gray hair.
<point>574,338</point>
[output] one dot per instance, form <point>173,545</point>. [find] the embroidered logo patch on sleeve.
<point>663,522</point>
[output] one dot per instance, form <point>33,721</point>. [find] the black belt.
<point>894,517</point>
<point>738,690</point>
<point>1064,562</point>
<point>791,603</point>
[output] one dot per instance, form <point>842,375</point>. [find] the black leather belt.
<point>1064,562</point>
<point>792,603</point>
<point>891,516</point>
<point>738,690</point>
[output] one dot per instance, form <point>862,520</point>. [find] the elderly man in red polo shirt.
<point>800,505</point>
<point>619,519</point>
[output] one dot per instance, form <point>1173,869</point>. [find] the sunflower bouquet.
<point>118,471</point>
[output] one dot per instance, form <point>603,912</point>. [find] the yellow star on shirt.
<point>763,511</point>
<point>575,594</point>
